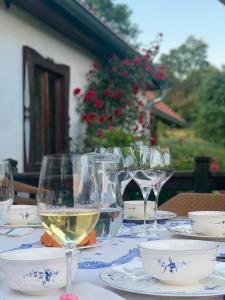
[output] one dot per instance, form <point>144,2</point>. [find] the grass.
<point>185,146</point>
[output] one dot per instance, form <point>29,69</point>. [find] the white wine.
<point>69,226</point>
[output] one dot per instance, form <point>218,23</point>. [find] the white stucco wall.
<point>18,28</point>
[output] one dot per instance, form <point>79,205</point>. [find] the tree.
<point>186,67</point>
<point>211,103</point>
<point>190,56</point>
<point>117,16</point>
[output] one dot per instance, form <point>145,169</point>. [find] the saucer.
<point>122,278</point>
<point>161,215</point>
<point>186,230</point>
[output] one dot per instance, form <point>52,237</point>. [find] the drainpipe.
<point>148,107</point>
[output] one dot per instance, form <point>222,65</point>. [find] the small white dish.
<point>22,215</point>
<point>135,209</point>
<point>187,231</point>
<point>122,278</point>
<point>208,222</point>
<point>161,215</point>
<point>36,271</point>
<point>178,261</point>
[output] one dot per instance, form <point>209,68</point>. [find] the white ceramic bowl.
<point>36,271</point>
<point>135,209</point>
<point>178,262</point>
<point>22,215</point>
<point>208,222</point>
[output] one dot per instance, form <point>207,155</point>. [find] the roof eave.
<point>73,20</point>
<point>169,119</point>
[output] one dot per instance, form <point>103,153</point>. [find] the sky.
<point>178,19</point>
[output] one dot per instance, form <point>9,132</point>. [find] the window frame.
<point>31,60</point>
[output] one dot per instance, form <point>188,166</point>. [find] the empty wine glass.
<point>111,212</point>
<point>147,172</point>
<point>6,189</point>
<point>125,160</point>
<point>68,201</point>
<point>168,169</point>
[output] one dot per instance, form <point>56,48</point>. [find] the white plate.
<point>88,246</point>
<point>121,278</point>
<point>34,225</point>
<point>186,230</point>
<point>161,215</point>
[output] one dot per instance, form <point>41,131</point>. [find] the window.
<point>46,120</point>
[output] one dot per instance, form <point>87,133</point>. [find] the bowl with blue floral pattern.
<point>208,222</point>
<point>36,271</point>
<point>178,261</point>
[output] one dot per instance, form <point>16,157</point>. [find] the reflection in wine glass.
<point>168,171</point>
<point>6,189</point>
<point>68,200</point>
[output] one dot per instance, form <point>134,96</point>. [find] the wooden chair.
<point>182,203</point>
<point>24,193</point>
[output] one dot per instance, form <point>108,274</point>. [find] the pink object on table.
<point>68,297</point>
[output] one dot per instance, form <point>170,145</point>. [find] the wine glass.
<point>111,212</point>
<point>146,171</point>
<point>6,189</point>
<point>168,169</point>
<point>68,200</point>
<point>125,160</point>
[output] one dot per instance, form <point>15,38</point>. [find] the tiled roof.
<point>165,111</point>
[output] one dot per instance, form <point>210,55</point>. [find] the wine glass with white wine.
<point>68,201</point>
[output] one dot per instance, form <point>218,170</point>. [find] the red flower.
<point>76,91</point>
<point>141,118</point>
<point>137,60</point>
<point>101,119</point>
<point>110,118</point>
<point>153,140</point>
<point>100,132</point>
<point>149,68</point>
<point>126,101</point>
<point>92,116</point>
<point>135,88</point>
<point>90,95</point>
<point>117,112</point>
<point>95,65</point>
<point>98,103</point>
<point>107,92</point>
<point>126,62</point>
<point>110,127</point>
<point>85,117</point>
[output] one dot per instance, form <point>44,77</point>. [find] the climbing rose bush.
<point>110,99</point>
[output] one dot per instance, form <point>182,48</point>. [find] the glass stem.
<point>156,191</point>
<point>69,253</point>
<point>145,196</point>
